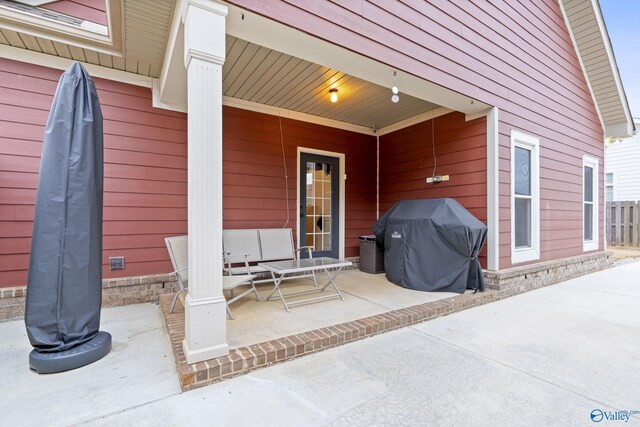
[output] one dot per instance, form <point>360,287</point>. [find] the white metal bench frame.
<point>178,253</point>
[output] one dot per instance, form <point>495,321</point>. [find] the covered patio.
<point>257,94</point>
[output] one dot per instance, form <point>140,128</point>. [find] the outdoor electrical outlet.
<point>436,179</point>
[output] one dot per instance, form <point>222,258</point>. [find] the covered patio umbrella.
<point>64,291</point>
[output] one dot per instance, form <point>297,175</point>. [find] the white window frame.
<point>531,143</point>
<point>591,245</point>
<point>612,185</point>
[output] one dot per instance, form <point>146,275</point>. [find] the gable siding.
<point>145,191</point>
<point>515,55</point>
<point>406,160</point>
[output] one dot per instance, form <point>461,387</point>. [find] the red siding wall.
<point>254,179</point>
<point>145,171</point>
<point>461,152</point>
<point>515,55</point>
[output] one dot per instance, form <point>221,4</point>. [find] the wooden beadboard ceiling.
<point>257,74</point>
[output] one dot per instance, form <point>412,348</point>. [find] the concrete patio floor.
<point>547,357</point>
<point>364,295</point>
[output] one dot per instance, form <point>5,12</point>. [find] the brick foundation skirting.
<point>115,292</point>
<point>533,276</point>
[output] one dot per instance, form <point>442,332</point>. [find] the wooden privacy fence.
<point>623,223</point>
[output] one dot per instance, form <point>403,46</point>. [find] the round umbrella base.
<point>81,355</point>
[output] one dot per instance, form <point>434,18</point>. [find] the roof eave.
<point>611,128</point>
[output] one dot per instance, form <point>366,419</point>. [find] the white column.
<point>493,191</point>
<point>205,306</point>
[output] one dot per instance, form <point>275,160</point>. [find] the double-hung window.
<point>608,186</point>
<point>590,203</point>
<point>525,198</point>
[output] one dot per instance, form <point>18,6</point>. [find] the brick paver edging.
<point>245,359</point>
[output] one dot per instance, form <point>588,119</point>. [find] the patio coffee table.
<point>279,269</point>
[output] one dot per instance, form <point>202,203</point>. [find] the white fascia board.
<point>614,69</point>
<point>273,35</point>
<point>37,58</point>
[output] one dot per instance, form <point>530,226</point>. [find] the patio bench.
<point>258,246</point>
<point>178,253</point>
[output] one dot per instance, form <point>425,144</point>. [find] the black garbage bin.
<point>371,255</point>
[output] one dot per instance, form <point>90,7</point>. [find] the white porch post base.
<point>207,342</point>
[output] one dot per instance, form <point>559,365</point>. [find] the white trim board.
<point>532,143</point>
<point>593,244</point>
<point>275,111</point>
<point>42,59</point>
<point>493,185</point>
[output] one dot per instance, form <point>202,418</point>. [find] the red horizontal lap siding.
<point>515,55</point>
<point>145,184</point>
<point>406,160</point>
<point>254,187</point>
<point>89,10</point>
<point>145,197</point>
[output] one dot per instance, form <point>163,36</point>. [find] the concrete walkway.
<point>548,357</point>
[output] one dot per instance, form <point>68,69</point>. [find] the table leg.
<point>331,282</point>
<point>276,288</point>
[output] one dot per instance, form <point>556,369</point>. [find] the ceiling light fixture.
<point>394,98</point>
<point>333,95</point>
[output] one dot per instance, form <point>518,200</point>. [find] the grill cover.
<point>64,290</point>
<point>432,245</point>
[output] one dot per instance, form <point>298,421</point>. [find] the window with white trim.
<point>590,203</point>
<point>525,198</point>
<point>608,186</point>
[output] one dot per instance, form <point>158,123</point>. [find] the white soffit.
<point>589,33</point>
<point>264,76</point>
